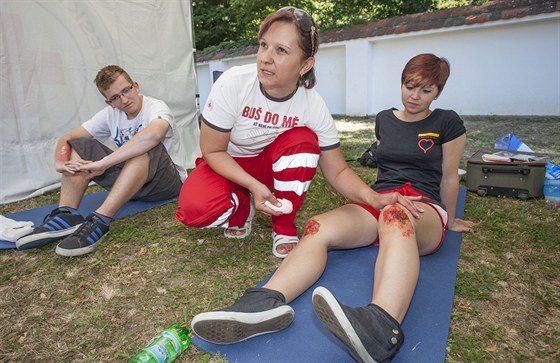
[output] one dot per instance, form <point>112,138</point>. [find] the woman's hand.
<point>261,194</point>
<point>345,181</point>
<point>460,225</point>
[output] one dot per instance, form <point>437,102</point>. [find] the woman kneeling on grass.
<point>418,156</point>
<point>265,131</point>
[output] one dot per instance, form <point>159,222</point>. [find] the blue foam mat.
<point>89,204</point>
<point>349,276</point>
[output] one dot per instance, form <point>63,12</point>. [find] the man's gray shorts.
<point>163,182</point>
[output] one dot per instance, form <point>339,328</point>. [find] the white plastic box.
<point>551,192</point>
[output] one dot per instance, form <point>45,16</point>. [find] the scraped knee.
<point>312,227</point>
<point>396,218</point>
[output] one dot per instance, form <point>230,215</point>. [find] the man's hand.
<point>71,167</point>
<point>87,167</point>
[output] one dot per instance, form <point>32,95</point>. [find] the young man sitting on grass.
<point>147,164</point>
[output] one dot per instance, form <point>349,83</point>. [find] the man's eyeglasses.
<point>305,23</point>
<point>123,93</point>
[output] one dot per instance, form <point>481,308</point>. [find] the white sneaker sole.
<point>27,242</point>
<point>228,327</point>
<point>78,251</point>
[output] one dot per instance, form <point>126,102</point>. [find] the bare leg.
<point>131,178</point>
<point>349,226</point>
<point>265,310</point>
<point>402,240</point>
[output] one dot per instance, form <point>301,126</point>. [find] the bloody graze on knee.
<point>396,217</point>
<point>311,227</point>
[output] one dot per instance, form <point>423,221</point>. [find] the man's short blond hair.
<point>108,75</point>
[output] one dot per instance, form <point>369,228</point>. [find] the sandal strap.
<point>281,239</point>
<point>247,226</point>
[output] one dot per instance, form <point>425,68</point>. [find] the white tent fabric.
<point>50,52</point>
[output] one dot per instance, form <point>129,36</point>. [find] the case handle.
<point>522,171</point>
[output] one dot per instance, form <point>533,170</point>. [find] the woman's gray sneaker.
<point>258,311</point>
<point>369,333</point>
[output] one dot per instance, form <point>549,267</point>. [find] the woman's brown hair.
<point>308,36</point>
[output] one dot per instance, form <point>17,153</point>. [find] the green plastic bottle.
<point>166,347</point>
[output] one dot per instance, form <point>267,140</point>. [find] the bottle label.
<point>174,340</point>
<point>158,351</point>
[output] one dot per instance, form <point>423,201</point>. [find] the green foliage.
<point>213,22</point>
<point>218,22</point>
<point>448,4</point>
<point>343,13</point>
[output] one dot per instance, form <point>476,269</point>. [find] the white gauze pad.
<point>286,207</point>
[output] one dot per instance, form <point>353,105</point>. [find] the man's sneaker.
<point>90,233</point>
<point>59,223</point>
<point>258,311</point>
<point>369,333</point>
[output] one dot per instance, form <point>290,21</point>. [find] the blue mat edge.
<point>89,203</point>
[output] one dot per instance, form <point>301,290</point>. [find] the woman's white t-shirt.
<point>237,104</point>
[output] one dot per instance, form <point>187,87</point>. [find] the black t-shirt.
<point>412,151</point>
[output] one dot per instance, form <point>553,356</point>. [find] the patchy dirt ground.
<point>151,270</point>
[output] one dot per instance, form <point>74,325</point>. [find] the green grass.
<point>152,271</point>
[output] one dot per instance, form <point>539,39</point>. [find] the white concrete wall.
<point>497,68</point>
<point>332,78</point>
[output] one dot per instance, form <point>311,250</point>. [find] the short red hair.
<point>426,70</point>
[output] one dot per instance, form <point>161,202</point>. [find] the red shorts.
<point>407,190</point>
